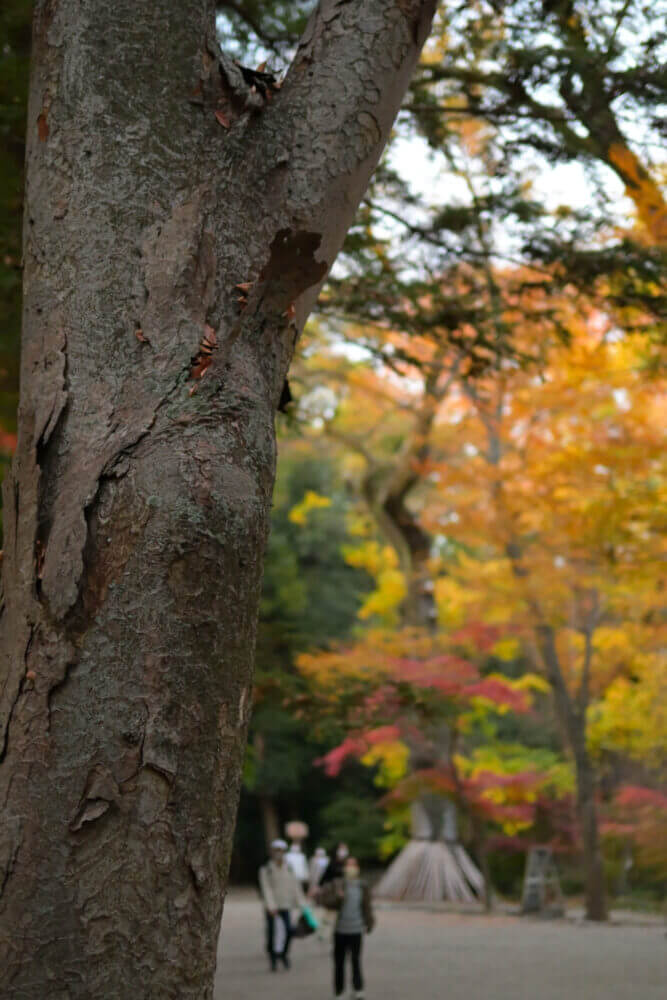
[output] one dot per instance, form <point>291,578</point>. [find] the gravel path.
<point>417,955</point>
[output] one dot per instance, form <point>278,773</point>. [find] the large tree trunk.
<point>137,510</point>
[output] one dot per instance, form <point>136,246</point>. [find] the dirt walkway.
<point>415,955</point>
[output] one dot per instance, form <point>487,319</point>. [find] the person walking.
<point>334,869</point>
<point>318,865</point>
<point>298,864</point>
<point>351,896</point>
<point>281,893</point>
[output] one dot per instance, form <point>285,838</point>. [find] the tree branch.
<point>339,88</point>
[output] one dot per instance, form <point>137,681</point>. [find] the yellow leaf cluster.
<point>531,682</point>
<point>381,562</point>
<point>631,717</point>
<point>311,501</point>
<point>479,589</point>
<point>387,598</point>
<point>393,757</point>
<point>506,649</point>
<point>372,557</point>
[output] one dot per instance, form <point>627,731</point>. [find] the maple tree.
<point>416,708</point>
<point>562,483</point>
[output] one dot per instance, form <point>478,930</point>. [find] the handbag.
<point>303,928</point>
<point>330,895</point>
<point>309,918</point>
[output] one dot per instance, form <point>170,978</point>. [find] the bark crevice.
<point>15,697</point>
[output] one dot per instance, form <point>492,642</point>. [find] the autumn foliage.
<point>539,484</point>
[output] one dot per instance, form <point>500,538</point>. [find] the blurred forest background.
<point>469,516</point>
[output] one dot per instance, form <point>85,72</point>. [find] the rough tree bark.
<point>137,511</point>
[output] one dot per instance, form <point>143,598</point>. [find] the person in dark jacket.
<point>351,897</point>
<point>335,867</point>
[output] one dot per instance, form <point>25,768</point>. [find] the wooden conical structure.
<point>433,866</point>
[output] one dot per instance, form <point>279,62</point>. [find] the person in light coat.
<point>281,893</point>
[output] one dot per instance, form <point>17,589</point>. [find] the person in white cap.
<point>281,893</point>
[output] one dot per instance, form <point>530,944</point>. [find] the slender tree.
<point>181,215</point>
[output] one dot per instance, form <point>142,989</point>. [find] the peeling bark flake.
<point>51,395</point>
<point>101,791</point>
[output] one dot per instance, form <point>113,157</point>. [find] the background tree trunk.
<point>481,850</point>
<point>137,509</point>
<point>572,719</point>
<point>595,887</point>
<point>270,819</point>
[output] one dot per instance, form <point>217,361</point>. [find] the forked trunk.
<point>137,509</point>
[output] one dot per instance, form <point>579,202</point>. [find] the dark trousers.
<point>344,943</point>
<point>271,922</point>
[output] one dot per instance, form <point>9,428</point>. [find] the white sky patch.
<point>353,352</point>
<point>451,518</point>
<point>567,184</point>
<point>321,402</point>
<point>411,157</point>
<point>622,399</point>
